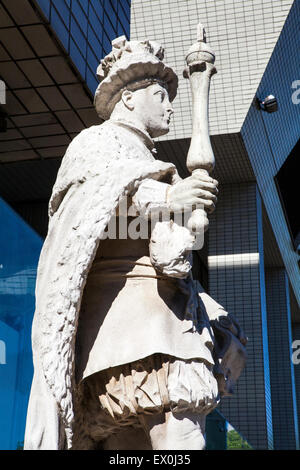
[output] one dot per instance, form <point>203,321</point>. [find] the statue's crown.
<point>121,47</point>
<point>130,62</point>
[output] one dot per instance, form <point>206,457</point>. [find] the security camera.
<point>269,104</point>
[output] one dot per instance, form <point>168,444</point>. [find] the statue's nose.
<point>170,109</point>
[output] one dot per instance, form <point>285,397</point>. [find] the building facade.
<point>250,250</point>
<point>49,52</point>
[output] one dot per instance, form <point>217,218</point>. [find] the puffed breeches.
<point>116,397</point>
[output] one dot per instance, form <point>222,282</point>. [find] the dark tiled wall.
<point>235,281</point>
<point>86,29</point>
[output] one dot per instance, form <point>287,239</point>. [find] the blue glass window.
<point>94,21</point>
<point>125,7</point>
<point>108,27</point>
<point>94,43</point>
<point>123,20</point>
<point>63,10</point>
<point>77,58</point>
<point>87,27</point>
<point>121,30</point>
<point>91,80</point>
<point>100,6</point>
<point>85,5</point>
<point>60,29</point>
<point>80,16</point>
<point>106,43</point>
<point>19,253</point>
<point>45,6</point>
<point>92,60</point>
<point>78,36</point>
<point>111,9</point>
<point>114,4</point>
<point>97,8</point>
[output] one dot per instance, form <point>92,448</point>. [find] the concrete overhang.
<point>47,102</point>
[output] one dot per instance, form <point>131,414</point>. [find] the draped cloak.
<point>102,165</point>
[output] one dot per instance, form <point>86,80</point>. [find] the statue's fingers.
<point>204,177</point>
<point>198,183</point>
<point>205,195</point>
<point>210,187</point>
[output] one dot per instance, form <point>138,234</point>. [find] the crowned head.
<point>135,80</point>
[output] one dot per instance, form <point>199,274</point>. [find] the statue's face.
<point>153,109</point>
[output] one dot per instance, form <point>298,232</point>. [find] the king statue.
<point>129,351</point>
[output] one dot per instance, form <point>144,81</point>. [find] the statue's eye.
<point>161,93</point>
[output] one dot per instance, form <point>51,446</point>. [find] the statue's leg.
<point>176,431</point>
<point>124,407</point>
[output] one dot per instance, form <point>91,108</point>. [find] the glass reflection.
<point>19,253</point>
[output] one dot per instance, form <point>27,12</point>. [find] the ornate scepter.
<point>200,68</point>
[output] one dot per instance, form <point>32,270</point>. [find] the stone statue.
<point>129,351</point>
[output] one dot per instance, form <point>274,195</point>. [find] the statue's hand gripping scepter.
<point>200,68</point>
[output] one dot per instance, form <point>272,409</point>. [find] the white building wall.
<point>242,33</point>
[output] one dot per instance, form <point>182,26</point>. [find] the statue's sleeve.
<point>150,198</point>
